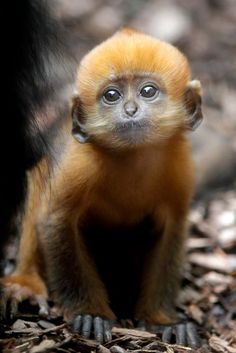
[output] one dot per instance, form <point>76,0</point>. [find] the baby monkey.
<point>104,237</point>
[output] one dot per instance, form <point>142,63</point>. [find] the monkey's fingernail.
<point>43,312</point>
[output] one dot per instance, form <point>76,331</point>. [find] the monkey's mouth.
<point>130,126</point>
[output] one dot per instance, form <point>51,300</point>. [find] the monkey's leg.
<point>160,285</point>
<point>72,277</point>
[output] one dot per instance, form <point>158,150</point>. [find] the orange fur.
<point>25,285</point>
<point>26,282</point>
<point>116,186</point>
<point>129,52</point>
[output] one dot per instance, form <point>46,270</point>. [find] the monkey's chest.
<point>125,201</point>
<point>120,253</point>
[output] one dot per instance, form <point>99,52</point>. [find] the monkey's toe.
<point>183,333</point>
<point>88,325</point>
<point>15,290</point>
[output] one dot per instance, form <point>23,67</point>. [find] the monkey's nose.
<point>130,108</point>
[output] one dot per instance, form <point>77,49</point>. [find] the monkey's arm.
<point>161,278</point>
<point>26,282</point>
<point>71,274</point>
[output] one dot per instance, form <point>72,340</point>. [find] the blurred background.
<point>205,30</point>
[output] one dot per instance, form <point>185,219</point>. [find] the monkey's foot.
<point>97,327</point>
<point>16,289</point>
<point>183,333</point>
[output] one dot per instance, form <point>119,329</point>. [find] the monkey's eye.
<point>149,91</point>
<point>111,96</point>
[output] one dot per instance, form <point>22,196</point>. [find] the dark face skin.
<point>131,104</point>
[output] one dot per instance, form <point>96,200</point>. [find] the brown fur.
<point>99,189</point>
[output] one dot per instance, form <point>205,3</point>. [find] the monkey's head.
<point>134,90</point>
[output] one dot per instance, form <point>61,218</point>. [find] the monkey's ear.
<point>78,130</point>
<point>192,98</point>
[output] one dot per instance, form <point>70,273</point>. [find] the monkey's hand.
<point>183,333</point>
<point>16,289</point>
<point>93,326</point>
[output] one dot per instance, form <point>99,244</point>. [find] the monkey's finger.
<point>87,325</point>
<point>142,326</point>
<point>98,329</point>
<point>43,306</point>
<point>107,330</point>
<point>155,328</point>
<point>192,336</point>
<point>13,308</point>
<point>167,334</point>
<point>180,333</point>
<point>77,323</point>
<point>3,305</point>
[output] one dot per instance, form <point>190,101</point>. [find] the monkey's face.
<point>134,90</point>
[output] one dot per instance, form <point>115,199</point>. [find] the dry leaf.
<point>196,313</point>
<point>131,332</point>
<point>43,346</point>
<point>223,263</point>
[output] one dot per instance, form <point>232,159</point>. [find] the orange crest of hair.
<point>129,52</point>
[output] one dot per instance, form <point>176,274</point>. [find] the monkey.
<point>105,238</point>
<point>34,56</point>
